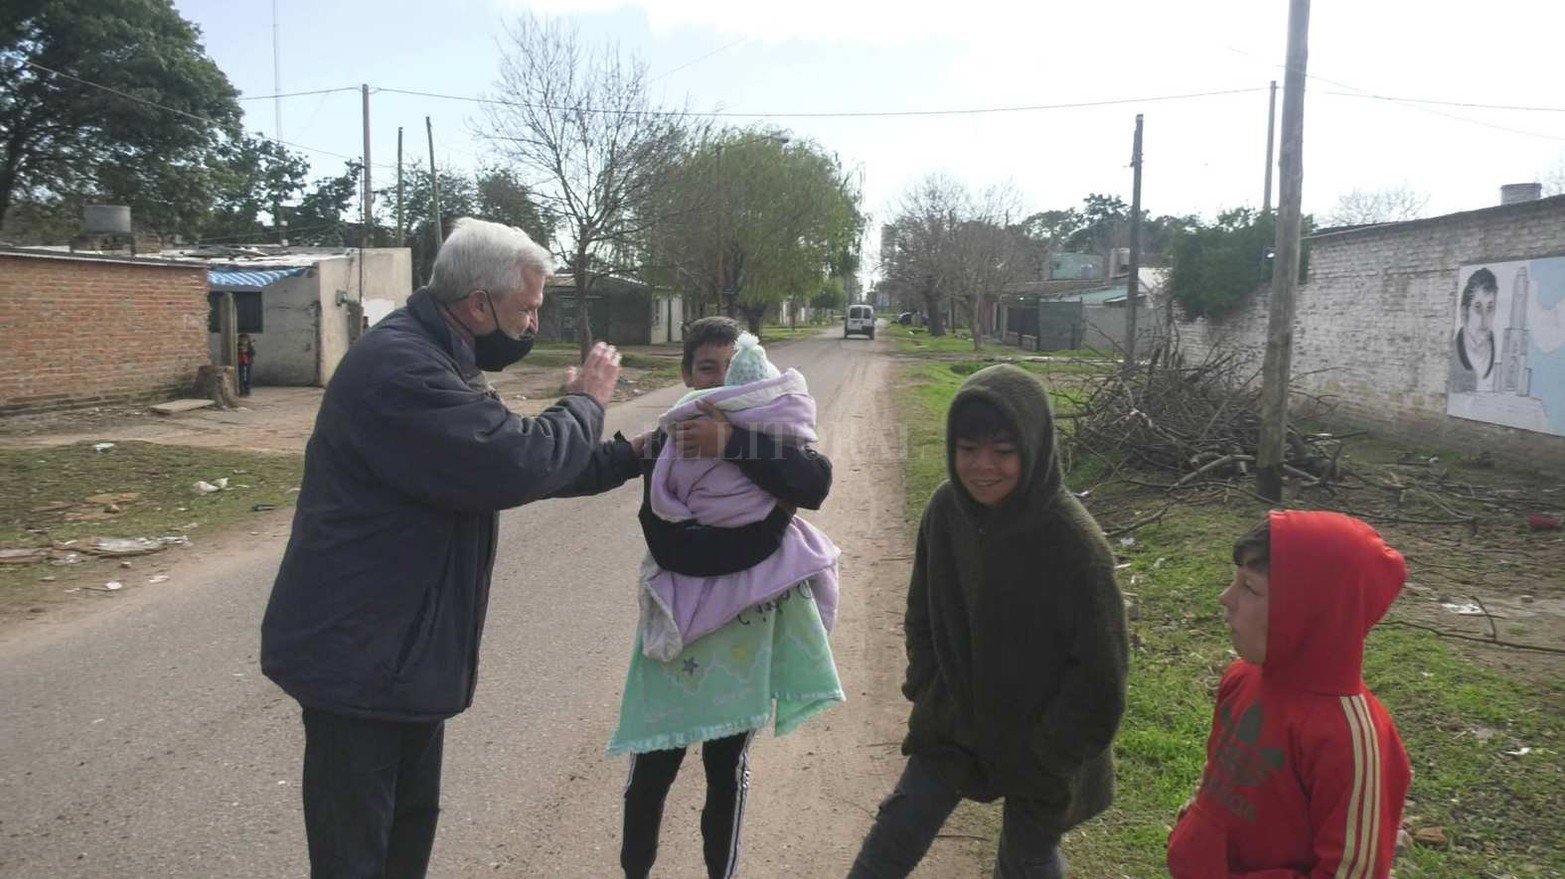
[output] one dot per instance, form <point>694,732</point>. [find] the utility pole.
<point>1285,268</point>
<point>1271,132</point>
<point>278,216</point>
<point>366,221</point>
<point>399,186</point>
<point>434,189</point>
<point>1133,285</point>
<point>367,205</point>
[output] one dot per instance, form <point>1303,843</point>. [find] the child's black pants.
<point>727,766</point>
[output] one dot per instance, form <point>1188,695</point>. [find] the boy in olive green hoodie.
<point>1016,644</point>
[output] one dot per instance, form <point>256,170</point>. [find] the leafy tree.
<point>318,219</point>
<point>1158,234</point>
<point>458,198</point>
<point>1216,267</point>
<point>832,296</point>
<point>1105,223</point>
<point>61,138</point>
<point>491,194</point>
<point>753,218</point>
<point>253,174</point>
<point>1046,233</point>
<point>504,198</point>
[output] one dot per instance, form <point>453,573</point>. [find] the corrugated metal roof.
<point>234,279</point>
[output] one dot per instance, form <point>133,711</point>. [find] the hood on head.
<point>1332,579</point>
<point>1021,398</point>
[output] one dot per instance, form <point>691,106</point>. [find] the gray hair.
<point>480,255</point>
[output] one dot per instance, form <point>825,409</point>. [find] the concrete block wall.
<point>78,332</point>
<point>1375,322</point>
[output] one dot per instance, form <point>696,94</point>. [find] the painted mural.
<point>1507,353</point>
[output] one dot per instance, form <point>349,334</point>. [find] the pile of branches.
<point>1194,425</point>
<point>1191,430</point>
<point>1192,421</point>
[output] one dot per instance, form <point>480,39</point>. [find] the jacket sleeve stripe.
<point>1376,776</point>
<point>1350,838</point>
<point>1361,837</point>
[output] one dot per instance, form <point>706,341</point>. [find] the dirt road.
<point>141,740</point>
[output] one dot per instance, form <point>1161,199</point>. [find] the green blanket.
<point>726,682</point>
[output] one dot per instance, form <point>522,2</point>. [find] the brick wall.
<point>1375,319</point>
<point>81,331</point>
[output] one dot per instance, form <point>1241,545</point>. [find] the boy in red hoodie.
<point>1305,772</point>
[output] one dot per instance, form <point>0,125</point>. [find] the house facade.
<point>1448,330</point>
<point>82,330</point>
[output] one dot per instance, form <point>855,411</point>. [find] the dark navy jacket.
<point>379,604</point>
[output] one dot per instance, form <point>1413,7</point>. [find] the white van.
<point>860,320</point>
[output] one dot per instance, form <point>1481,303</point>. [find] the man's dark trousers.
<point>371,795</point>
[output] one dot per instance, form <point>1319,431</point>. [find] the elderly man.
<point>375,617</point>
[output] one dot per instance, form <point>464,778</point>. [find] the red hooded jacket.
<point>1305,772</point>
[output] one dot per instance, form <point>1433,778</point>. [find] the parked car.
<point>860,320</point>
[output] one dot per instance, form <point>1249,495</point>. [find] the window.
<point>247,307</point>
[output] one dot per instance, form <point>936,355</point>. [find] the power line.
<point>1467,104</point>
<point>697,61</point>
<point>346,88</point>
<point>843,114</point>
<point>185,113</point>
<point>1415,103</point>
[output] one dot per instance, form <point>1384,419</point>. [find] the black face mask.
<point>495,351</point>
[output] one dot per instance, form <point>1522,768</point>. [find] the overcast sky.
<point>1203,154</point>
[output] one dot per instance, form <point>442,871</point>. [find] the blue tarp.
<point>236,279</point>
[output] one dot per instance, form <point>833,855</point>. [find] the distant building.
<point>151,319</point>
<point>1075,266</point>
<point>620,311</point>
<point>82,330</point>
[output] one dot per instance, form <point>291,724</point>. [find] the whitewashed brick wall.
<point>1375,319</point>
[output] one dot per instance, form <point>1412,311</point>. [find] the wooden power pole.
<point>1271,135</point>
<point>399,186</point>
<point>368,205</point>
<point>1133,285</point>
<point>434,190</point>
<point>1285,268</point>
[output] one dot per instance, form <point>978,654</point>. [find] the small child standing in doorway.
<point>246,361</point>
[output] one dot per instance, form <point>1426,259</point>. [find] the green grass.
<point>47,490</point>
<point>1501,813</point>
<point>554,354</point>
<point>916,340</point>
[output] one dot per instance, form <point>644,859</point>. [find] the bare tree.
<point>989,253</point>
<point>924,230</point>
<point>577,120</point>
<point>950,244</point>
<point>1553,179</point>
<point>1391,204</point>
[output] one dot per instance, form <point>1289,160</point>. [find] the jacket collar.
<point>427,312</point>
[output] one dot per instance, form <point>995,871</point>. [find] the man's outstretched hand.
<point>597,375</point>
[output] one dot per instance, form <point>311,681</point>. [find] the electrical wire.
<point>843,114</point>
<point>346,88</point>
<point>667,73</point>
<point>1466,104</point>
<point>189,115</point>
